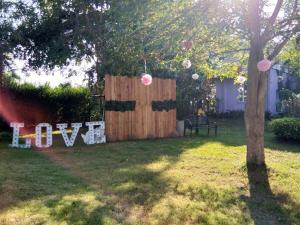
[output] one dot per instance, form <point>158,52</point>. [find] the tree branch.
<point>272,20</point>
<point>285,33</point>
<point>279,47</point>
<point>283,23</point>
<point>275,13</point>
<point>254,18</point>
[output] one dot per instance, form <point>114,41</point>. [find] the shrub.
<point>286,128</point>
<point>4,126</point>
<point>289,104</point>
<point>237,114</point>
<point>285,94</point>
<point>184,109</point>
<point>6,136</point>
<point>60,104</point>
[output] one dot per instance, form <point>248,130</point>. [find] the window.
<point>242,93</point>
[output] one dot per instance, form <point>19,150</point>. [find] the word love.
<point>94,135</point>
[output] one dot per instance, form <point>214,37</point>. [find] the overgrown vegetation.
<point>289,102</point>
<point>62,104</point>
<point>287,128</point>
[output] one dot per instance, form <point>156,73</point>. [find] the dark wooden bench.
<point>199,122</point>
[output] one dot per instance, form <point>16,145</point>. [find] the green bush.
<point>120,106</point>
<point>286,128</point>
<point>163,105</point>
<point>237,114</point>
<point>4,126</point>
<point>62,104</point>
<point>6,136</point>
<point>184,109</point>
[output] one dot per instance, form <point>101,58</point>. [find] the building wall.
<point>227,95</point>
<point>272,95</point>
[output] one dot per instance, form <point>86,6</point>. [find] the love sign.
<point>94,135</point>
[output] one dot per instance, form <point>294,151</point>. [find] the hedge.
<point>163,105</point>
<point>236,114</point>
<point>63,103</point>
<point>120,106</point>
<point>286,128</point>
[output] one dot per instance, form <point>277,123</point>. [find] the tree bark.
<point>1,68</point>
<point>255,107</point>
<point>257,85</point>
<point>257,81</point>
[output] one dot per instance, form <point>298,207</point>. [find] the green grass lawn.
<point>192,180</point>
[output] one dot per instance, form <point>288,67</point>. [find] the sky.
<point>54,77</point>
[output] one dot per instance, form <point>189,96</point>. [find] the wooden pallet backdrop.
<point>143,123</point>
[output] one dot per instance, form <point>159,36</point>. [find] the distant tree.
<point>290,56</point>
<point>6,30</point>
<point>12,14</point>
<point>108,32</point>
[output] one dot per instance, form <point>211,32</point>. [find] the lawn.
<point>192,180</point>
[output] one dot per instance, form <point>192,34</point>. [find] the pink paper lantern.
<point>264,65</point>
<point>186,45</point>
<point>146,79</point>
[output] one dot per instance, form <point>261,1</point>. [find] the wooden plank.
<point>143,122</point>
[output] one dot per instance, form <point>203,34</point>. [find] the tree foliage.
<point>107,32</point>
<point>9,12</point>
<point>290,56</point>
<point>122,36</point>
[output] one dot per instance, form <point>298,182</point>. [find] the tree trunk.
<point>1,68</point>
<point>255,107</point>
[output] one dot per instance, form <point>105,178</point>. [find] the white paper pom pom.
<point>195,76</point>
<point>186,64</point>
<point>241,79</point>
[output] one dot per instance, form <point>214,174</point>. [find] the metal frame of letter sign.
<point>69,142</point>
<point>38,135</point>
<point>94,135</point>
<point>16,136</point>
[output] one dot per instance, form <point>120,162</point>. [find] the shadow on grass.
<point>119,176</point>
<point>116,173</point>
<point>120,169</point>
<point>265,206</point>
<point>232,133</point>
<point>26,175</point>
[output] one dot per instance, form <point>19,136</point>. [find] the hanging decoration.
<point>195,76</point>
<point>146,79</point>
<point>264,65</point>
<point>186,64</point>
<point>186,44</point>
<point>241,80</point>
